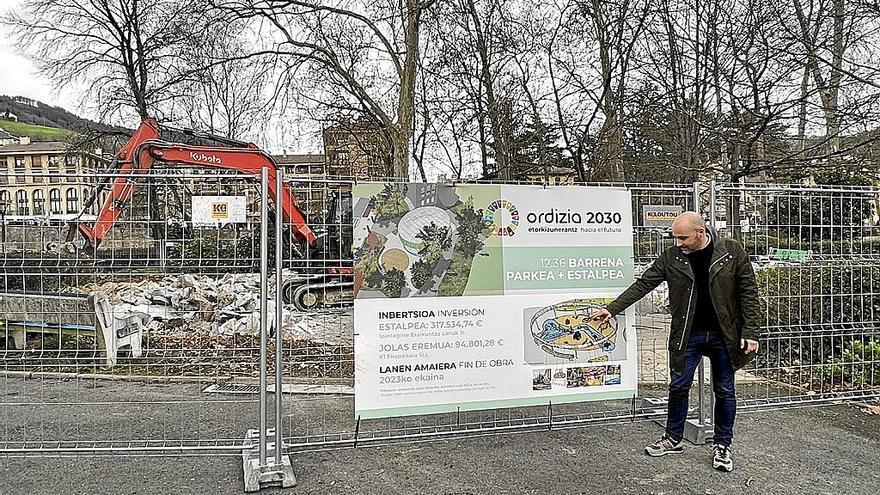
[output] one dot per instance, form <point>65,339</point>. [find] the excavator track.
<point>318,293</point>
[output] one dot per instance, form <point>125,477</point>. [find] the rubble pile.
<point>225,306</point>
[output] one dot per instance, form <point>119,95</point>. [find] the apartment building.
<point>45,179</point>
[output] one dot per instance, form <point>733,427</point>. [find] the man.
<point>713,300</point>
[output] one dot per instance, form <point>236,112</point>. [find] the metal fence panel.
<point>180,304</point>
<point>123,350</point>
<point>816,257</point>
<point>325,418</point>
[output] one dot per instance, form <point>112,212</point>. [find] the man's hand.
<point>602,314</point>
<point>748,345</point>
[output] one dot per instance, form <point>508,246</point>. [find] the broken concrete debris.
<point>224,306</point>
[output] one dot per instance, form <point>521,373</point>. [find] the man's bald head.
<point>690,219</point>
<point>689,230</point>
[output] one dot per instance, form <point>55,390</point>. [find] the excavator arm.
<point>142,151</point>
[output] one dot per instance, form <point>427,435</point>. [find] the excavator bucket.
<point>87,246</point>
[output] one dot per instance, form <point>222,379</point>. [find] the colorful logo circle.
<point>502,217</point>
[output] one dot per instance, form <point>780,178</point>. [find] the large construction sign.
<point>480,296</point>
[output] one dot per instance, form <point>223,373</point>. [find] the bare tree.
<point>589,49</point>
<point>834,47</point>
<point>227,93</point>
<point>452,113</point>
<point>829,32</point>
<point>362,57</point>
<point>616,27</point>
<point>675,46</point>
<point>574,111</point>
<point>753,87</point>
<point>126,52</point>
<point>465,70</point>
<point>829,89</point>
<point>483,28</point>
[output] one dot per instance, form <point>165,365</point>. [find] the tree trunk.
<point>481,131</point>
<point>502,165</point>
<point>829,90</point>
<point>832,112</point>
<point>400,152</point>
<point>802,110</point>
<point>402,131</point>
<point>610,139</point>
<point>612,146</point>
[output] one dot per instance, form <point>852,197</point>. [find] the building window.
<point>20,169</point>
<point>39,202</point>
<point>54,170</point>
<point>70,166</point>
<point>86,198</point>
<point>21,198</point>
<point>72,200</point>
<point>54,201</point>
<point>5,202</point>
<point>37,169</point>
<point>92,166</point>
<point>342,157</point>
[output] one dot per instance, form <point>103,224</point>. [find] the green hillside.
<point>35,132</point>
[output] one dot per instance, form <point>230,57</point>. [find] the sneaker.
<point>722,460</point>
<point>666,445</point>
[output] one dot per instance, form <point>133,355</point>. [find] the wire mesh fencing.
<point>116,334</point>
<point>815,253</point>
<point>151,344</point>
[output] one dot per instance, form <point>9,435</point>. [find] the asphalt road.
<point>833,449</point>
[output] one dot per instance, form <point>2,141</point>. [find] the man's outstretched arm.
<point>648,281</point>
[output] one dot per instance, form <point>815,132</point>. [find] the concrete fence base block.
<point>698,433</point>
<point>257,476</point>
<point>694,432</point>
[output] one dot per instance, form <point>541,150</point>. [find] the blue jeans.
<point>710,344</point>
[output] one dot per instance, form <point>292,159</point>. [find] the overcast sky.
<point>18,76</point>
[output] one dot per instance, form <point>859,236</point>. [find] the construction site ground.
<point>831,449</point>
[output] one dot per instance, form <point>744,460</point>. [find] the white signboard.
<point>213,210</point>
<point>480,296</point>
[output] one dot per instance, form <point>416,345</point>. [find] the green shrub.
<point>831,293</point>
<point>760,244</point>
<point>857,246</point>
<point>818,312</point>
<point>858,365</point>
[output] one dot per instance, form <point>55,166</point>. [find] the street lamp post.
<point>3,205</point>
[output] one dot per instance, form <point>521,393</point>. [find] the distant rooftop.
<point>298,159</point>
<point>35,147</point>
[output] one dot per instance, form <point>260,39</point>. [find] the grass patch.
<point>35,132</point>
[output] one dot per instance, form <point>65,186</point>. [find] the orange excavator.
<point>144,149</point>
